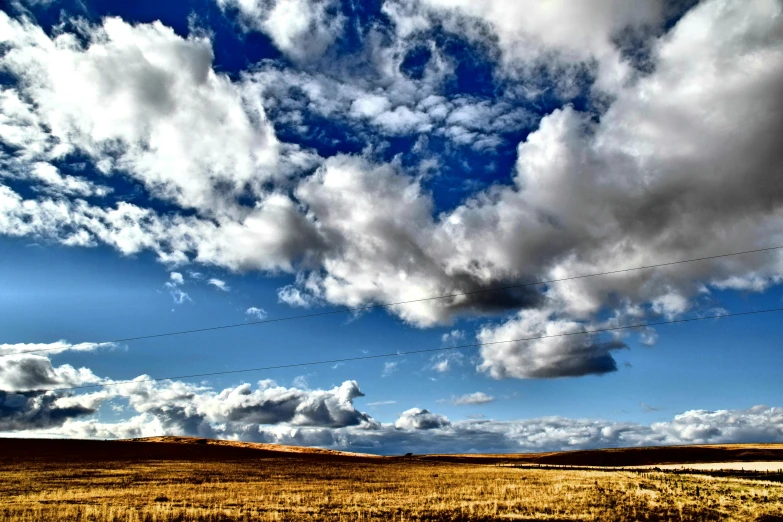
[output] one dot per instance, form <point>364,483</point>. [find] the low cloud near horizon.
<point>329,418</point>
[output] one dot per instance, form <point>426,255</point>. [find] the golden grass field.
<point>171,481</point>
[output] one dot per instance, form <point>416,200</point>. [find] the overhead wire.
<point>411,352</point>
<point>411,301</point>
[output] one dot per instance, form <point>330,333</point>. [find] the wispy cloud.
<point>444,362</point>
<point>293,296</point>
<point>300,381</point>
<point>219,284</point>
<point>51,348</point>
<point>389,368</point>
<point>179,296</point>
<point>175,281</point>
<point>256,313</point>
<point>470,399</point>
<point>452,338</point>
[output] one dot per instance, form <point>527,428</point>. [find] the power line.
<point>387,305</point>
<point>412,352</point>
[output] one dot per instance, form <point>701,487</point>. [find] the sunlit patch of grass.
<point>299,489</point>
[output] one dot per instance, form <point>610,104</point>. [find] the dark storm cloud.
<point>27,373</point>
<point>589,358</point>
<point>493,297</point>
<point>31,410</point>
<point>20,371</point>
<point>552,351</point>
<point>25,402</point>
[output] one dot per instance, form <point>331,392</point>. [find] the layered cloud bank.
<point>437,434</point>
<point>268,412</point>
<point>38,399</point>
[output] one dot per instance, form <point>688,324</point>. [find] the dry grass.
<point>301,487</point>
<point>277,448</point>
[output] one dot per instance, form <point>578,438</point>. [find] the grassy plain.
<point>166,482</point>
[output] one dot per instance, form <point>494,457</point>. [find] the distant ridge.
<point>170,448</point>
<point>636,456</point>
<point>170,439</point>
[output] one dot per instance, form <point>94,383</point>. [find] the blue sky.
<point>167,167</point>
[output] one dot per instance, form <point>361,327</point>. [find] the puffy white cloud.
<point>658,198</point>
<point>270,237</point>
<point>676,165</point>
<point>369,106</point>
<point>403,120</point>
<point>385,246</point>
<point>675,168</point>
<point>749,282</point>
<point>530,28</point>
<point>167,407</point>
<point>363,211</point>
<point>551,356</point>
<point>722,426</point>
<point>569,163</point>
<point>670,304</point>
<point>559,35</point>
<point>184,408</point>
<point>302,29</point>
<point>256,313</point>
<point>137,99</point>
<point>178,408</point>
<point>144,425</point>
<point>420,419</point>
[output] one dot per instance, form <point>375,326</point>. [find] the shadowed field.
<point>199,480</point>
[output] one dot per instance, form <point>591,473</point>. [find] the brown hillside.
<point>155,449</point>
<point>250,445</point>
<point>190,448</point>
<point>633,456</point>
